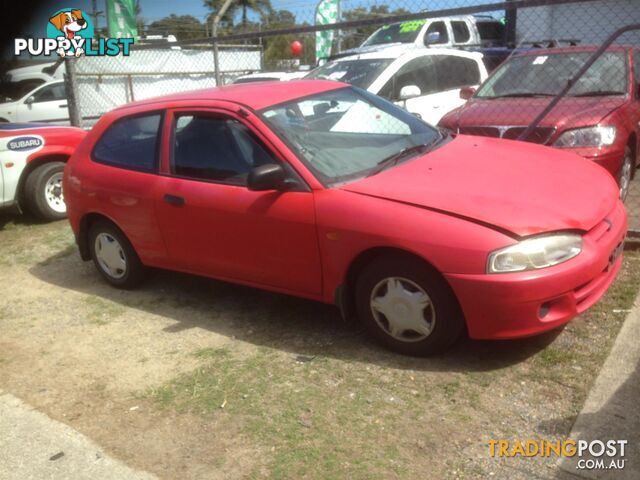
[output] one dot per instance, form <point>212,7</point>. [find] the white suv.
<point>426,82</point>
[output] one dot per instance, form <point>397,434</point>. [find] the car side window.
<point>215,149</point>
<point>419,72</point>
<point>131,143</point>
<point>438,27</point>
<point>456,72</point>
<point>461,32</point>
<point>50,93</point>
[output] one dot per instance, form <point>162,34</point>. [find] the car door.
<point>45,104</point>
<point>214,225</point>
<point>452,73</point>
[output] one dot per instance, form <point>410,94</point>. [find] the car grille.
<point>539,135</point>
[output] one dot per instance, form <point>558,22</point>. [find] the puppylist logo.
<point>70,33</point>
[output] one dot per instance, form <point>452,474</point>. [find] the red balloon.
<point>296,48</point>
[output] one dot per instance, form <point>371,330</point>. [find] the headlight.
<point>536,252</point>
<point>598,136</point>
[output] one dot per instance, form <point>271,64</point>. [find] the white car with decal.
<point>427,82</point>
<point>32,158</point>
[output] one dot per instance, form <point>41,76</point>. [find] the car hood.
<point>512,186</point>
<point>569,113</point>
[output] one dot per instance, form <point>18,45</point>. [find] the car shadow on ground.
<point>15,218</point>
<point>302,327</point>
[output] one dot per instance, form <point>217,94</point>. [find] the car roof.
<point>573,49</point>
<point>255,95</point>
<point>401,52</point>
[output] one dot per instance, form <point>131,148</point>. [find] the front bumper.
<point>512,305</point>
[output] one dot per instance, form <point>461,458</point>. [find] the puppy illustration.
<point>69,23</point>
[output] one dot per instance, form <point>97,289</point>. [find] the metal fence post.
<point>71,87</point>
<point>216,22</point>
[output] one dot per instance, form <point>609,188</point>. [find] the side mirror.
<point>467,92</point>
<point>410,91</point>
<point>431,38</point>
<point>267,177</point>
<point>30,100</point>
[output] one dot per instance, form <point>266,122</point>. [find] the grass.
<point>334,418</point>
<point>320,409</point>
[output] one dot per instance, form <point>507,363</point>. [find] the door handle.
<point>173,199</point>
<point>62,106</point>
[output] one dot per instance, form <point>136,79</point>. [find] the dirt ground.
<point>192,378</point>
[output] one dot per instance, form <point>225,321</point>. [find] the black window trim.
<point>156,154</point>
<point>183,111</point>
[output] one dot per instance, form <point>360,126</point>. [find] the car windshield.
<point>348,133</point>
<point>404,32</point>
<point>361,73</point>
<point>548,74</point>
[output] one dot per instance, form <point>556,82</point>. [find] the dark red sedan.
<point>599,119</point>
<point>324,191</point>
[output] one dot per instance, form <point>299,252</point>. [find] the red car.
<point>598,120</point>
<point>32,158</point>
<point>321,190</point>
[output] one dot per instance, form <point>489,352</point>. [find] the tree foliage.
<point>184,27</point>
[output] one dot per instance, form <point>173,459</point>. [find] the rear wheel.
<point>408,306</point>
<point>43,192</point>
<point>626,172</point>
<point>114,256</point>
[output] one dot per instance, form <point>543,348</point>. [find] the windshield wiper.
<point>393,160</point>
<point>523,94</point>
<point>598,93</point>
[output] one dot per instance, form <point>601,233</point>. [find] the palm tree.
<point>263,7</point>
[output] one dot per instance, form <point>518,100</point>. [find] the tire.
<point>626,172</point>
<point>441,321</point>
<point>43,193</point>
<point>114,256</point>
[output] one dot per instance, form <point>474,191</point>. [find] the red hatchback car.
<point>599,119</point>
<point>322,190</point>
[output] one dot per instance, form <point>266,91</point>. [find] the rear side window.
<point>456,72</point>
<point>461,32</point>
<point>130,143</point>
<point>490,31</point>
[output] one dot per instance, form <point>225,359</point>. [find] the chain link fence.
<point>440,56</point>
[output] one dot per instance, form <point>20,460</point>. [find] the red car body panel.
<point>506,192</point>
<point>450,207</point>
<point>623,112</point>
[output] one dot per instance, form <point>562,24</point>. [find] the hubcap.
<point>53,193</point>
<point>402,309</point>
<point>110,256</point>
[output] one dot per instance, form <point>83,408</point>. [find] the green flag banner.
<point>121,18</point>
<point>326,13</point>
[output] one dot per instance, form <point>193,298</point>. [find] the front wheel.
<point>43,192</point>
<point>626,173</point>
<point>408,306</point>
<point>114,256</point>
